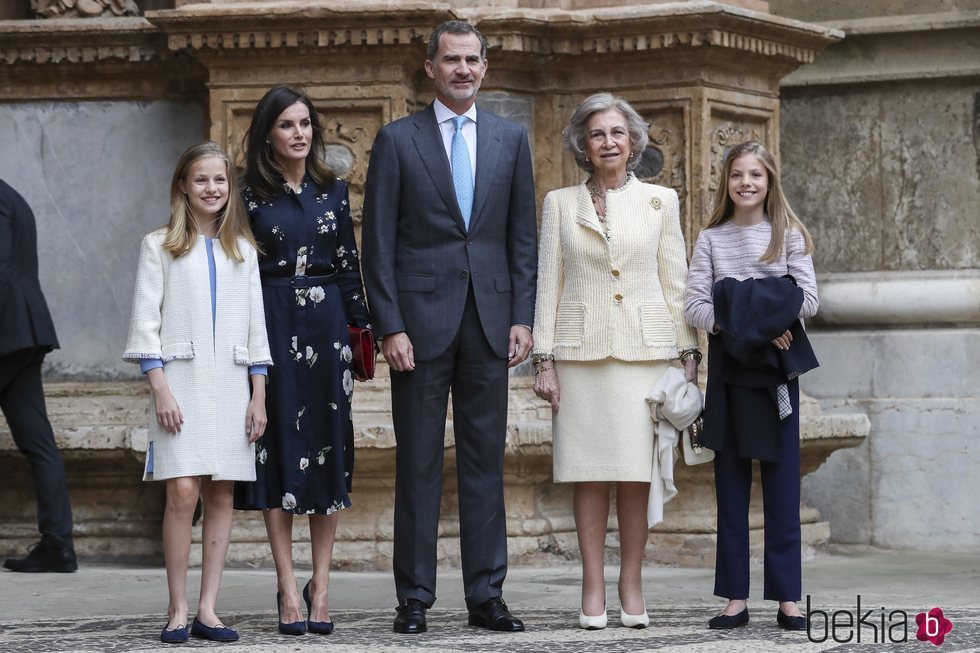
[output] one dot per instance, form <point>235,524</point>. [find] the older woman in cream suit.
<point>609,320</point>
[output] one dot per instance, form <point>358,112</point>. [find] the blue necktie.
<point>462,175</point>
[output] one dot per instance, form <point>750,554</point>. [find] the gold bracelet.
<point>542,358</point>
<point>538,370</point>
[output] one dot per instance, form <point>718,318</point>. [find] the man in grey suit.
<point>449,261</point>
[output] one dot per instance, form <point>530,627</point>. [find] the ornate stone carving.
<point>353,130</point>
<point>84,8</point>
<point>666,144</point>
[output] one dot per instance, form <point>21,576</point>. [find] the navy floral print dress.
<point>305,460</point>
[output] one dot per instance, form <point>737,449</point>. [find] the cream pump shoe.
<point>634,620</point>
<point>597,622</point>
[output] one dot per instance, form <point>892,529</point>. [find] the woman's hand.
<point>168,412</point>
<point>255,419</point>
<point>783,341</point>
<point>255,415</point>
<point>546,385</point>
<point>691,370</point>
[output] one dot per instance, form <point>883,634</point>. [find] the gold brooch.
<point>656,203</point>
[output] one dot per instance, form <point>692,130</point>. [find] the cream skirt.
<point>603,430</point>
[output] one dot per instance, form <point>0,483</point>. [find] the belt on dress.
<point>301,281</point>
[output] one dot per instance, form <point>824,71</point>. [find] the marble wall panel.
<point>924,456</point>
<point>862,364</point>
<point>912,483</point>
<point>512,106</point>
<point>886,177</point>
<point>97,175</point>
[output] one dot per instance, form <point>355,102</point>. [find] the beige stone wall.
<point>881,144</point>
<point>836,10</point>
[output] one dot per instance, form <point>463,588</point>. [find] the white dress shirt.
<point>444,116</point>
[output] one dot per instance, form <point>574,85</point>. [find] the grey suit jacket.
<point>24,318</point>
<point>418,258</point>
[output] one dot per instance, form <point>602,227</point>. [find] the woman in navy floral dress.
<point>311,284</point>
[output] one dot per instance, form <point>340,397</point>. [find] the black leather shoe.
<point>410,619</point>
<point>790,623</point>
<point>729,621</point>
<point>494,615</point>
<point>42,557</point>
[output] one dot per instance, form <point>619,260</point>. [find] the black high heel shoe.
<point>317,627</point>
<point>294,628</point>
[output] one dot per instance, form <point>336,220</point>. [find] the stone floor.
<point>107,607</point>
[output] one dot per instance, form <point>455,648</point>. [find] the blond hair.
<point>778,210</point>
<point>182,231</point>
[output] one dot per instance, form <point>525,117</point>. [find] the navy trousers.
<point>22,402</point>
<point>478,380</point>
<point>781,507</point>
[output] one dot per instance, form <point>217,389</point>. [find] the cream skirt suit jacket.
<point>610,308</point>
<point>206,366</point>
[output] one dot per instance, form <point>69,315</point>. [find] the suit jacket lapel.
<point>487,148</point>
<point>428,143</point>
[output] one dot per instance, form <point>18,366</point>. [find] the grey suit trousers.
<point>478,380</point>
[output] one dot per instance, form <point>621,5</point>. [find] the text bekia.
<point>845,626</point>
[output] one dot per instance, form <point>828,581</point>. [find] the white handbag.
<point>694,453</point>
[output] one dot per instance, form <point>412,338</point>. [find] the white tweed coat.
<point>206,368</point>
<point>622,296</point>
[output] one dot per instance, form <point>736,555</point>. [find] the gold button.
<point>615,273</point>
<point>618,297</point>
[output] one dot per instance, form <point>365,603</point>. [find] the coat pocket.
<point>177,350</point>
<point>241,355</point>
<point>502,282</point>
<point>570,324</point>
<point>656,324</point>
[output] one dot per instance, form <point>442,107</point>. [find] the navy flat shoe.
<point>316,627</point>
<point>790,623</point>
<point>219,633</point>
<point>729,621</point>
<point>295,628</point>
<point>176,635</point>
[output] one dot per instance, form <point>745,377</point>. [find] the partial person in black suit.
<point>26,335</point>
<point>450,261</point>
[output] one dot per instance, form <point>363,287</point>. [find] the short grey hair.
<point>576,133</point>
<point>458,27</point>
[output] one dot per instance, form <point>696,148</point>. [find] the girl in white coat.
<point>199,347</point>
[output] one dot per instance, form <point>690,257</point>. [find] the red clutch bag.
<point>362,346</point>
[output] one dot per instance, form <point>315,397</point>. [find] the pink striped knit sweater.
<point>729,250</point>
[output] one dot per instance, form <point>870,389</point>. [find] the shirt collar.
<point>444,113</point>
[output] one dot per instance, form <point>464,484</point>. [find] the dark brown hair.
<point>262,173</point>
